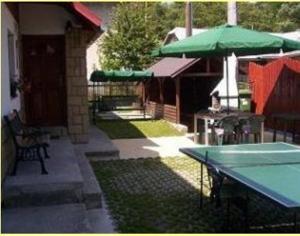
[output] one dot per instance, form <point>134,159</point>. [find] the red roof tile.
<point>86,13</point>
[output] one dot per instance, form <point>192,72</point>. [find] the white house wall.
<point>8,24</point>
<point>43,19</point>
<point>104,10</point>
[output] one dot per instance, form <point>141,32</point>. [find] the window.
<point>11,64</point>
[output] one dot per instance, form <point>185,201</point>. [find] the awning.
<point>86,14</point>
<point>120,76</point>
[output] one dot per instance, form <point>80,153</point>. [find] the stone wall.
<point>154,109</point>
<point>161,111</point>
<point>77,101</point>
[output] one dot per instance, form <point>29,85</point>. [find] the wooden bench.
<point>28,141</point>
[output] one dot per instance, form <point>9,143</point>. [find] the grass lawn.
<point>161,195</point>
<point>117,129</point>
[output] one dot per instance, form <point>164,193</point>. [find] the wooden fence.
<point>275,87</point>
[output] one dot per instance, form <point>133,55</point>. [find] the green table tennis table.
<point>270,169</point>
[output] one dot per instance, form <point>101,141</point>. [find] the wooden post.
<point>177,83</point>
<point>161,92</point>
<point>143,93</point>
<point>207,65</point>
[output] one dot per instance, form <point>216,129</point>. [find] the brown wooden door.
<point>44,72</point>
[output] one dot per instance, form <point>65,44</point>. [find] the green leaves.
<point>276,17</point>
<point>139,27</point>
<point>131,38</point>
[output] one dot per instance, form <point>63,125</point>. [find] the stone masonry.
<point>77,101</point>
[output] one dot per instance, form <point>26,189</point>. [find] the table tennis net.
<point>249,158</point>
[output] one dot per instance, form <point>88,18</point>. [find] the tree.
<point>271,16</point>
<point>131,38</point>
<point>139,27</point>
<point>289,17</point>
<point>209,14</point>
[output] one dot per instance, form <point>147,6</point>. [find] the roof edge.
<point>194,61</point>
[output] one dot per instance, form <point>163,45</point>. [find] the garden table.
<point>207,115</point>
<point>270,169</point>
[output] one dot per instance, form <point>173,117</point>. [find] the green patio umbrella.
<point>225,40</point>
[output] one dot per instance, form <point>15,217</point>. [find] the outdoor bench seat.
<point>28,141</point>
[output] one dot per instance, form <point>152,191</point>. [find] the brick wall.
<point>77,101</point>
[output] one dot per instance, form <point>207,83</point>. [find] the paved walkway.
<point>152,147</point>
<point>67,200</point>
<point>165,146</point>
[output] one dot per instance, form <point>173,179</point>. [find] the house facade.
<point>44,48</point>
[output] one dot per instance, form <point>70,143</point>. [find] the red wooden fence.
<point>275,87</point>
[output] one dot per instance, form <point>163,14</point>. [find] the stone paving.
<point>161,195</point>
<point>152,147</point>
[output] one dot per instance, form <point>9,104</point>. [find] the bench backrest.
<point>14,124</point>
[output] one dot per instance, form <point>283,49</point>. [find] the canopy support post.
<point>177,85</point>
<point>227,83</point>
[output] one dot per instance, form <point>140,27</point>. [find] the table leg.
<point>275,130</point>
<point>295,222</point>
<point>262,131</point>
<point>206,131</point>
<point>195,129</point>
<point>294,131</point>
<point>285,130</point>
<point>201,185</point>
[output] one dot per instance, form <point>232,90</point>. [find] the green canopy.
<point>225,40</point>
<point>119,76</point>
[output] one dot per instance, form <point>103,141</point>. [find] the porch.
<point>68,199</point>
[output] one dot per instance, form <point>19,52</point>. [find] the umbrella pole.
<point>227,84</point>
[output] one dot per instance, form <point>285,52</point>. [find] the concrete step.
<point>99,146</point>
<point>92,194</point>
<point>100,220</point>
<point>62,185</point>
<point>68,218</point>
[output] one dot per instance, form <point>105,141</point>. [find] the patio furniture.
<point>255,167</point>
<point>35,132</point>
<point>251,126</point>
<point>116,102</point>
<point>220,186</point>
<point>27,141</point>
<point>206,116</point>
<point>285,118</point>
<point>225,129</point>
